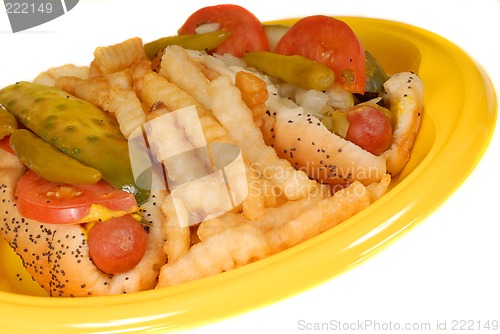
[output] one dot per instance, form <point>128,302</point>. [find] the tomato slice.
<point>56,203</point>
<point>4,145</point>
<point>247,32</point>
<point>331,42</point>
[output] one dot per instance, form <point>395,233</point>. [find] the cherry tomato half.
<point>56,203</point>
<point>247,32</point>
<point>331,42</point>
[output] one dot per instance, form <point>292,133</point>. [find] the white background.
<point>445,269</point>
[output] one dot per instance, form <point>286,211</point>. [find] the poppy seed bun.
<point>57,256</point>
<point>405,92</point>
<point>308,145</point>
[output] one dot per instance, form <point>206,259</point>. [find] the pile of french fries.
<point>281,207</point>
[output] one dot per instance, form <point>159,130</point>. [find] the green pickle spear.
<point>201,42</point>
<point>296,70</point>
<point>76,128</point>
<point>48,162</point>
<point>8,123</point>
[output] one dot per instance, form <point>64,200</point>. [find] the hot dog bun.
<point>309,146</point>
<point>405,92</point>
<point>57,256</point>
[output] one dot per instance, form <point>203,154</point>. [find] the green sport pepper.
<point>76,128</point>
<point>48,162</point>
<point>201,42</point>
<point>8,123</point>
<point>375,75</point>
<point>296,70</point>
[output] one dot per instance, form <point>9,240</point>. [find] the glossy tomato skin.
<point>330,42</point>
<point>55,203</point>
<point>247,32</point>
<point>369,128</point>
<point>117,245</point>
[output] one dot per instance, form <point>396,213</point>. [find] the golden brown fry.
<point>274,218</point>
<point>323,216</point>
<point>50,76</point>
<point>278,216</point>
<point>120,80</point>
<point>216,225</point>
<point>253,92</point>
<point>127,109</point>
<point>237,119</point>
<point>137,72</point>
<point>113,93</point>
<point>68,84</point>
<point>209,73</point>
<point>231,248</point>
<point>179,68</point>
<point>254,205</point>
<point>94,90</point>
<point>177,238</point>
<point>378,189</point>
<point>117,57</point>
<point>157,88</point>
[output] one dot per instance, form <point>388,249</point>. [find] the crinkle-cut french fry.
<point>273,219</point>
<point>117,57</point>
<point>269,193</point>
<point>137,73</point>
<point>49,77</point>
<point>179,68</point>
<point>378,189</point>
<point>124,103</point>
<point>155,256</point>
<point>254,93</point>
<point>231,248</point>
<point>127,108</point>
<point>67,83</point>
<point>157,88</point>
<point>175,140</point>
<point>120,80</point>
<point>237,119</point>
<point>113,93</point>
<point>216,225</point>
<point>209,73</point>
<point>95,90</point>
<point>278,216</point>
<point>177,238</point>
<point>323,216</point>
<point>254,205</point>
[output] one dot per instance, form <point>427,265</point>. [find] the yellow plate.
<point>458,122</point>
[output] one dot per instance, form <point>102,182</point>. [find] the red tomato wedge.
<point>331,42</point>
<point>247,32</point>
<point>55,203</point>
<point>4,145</point>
